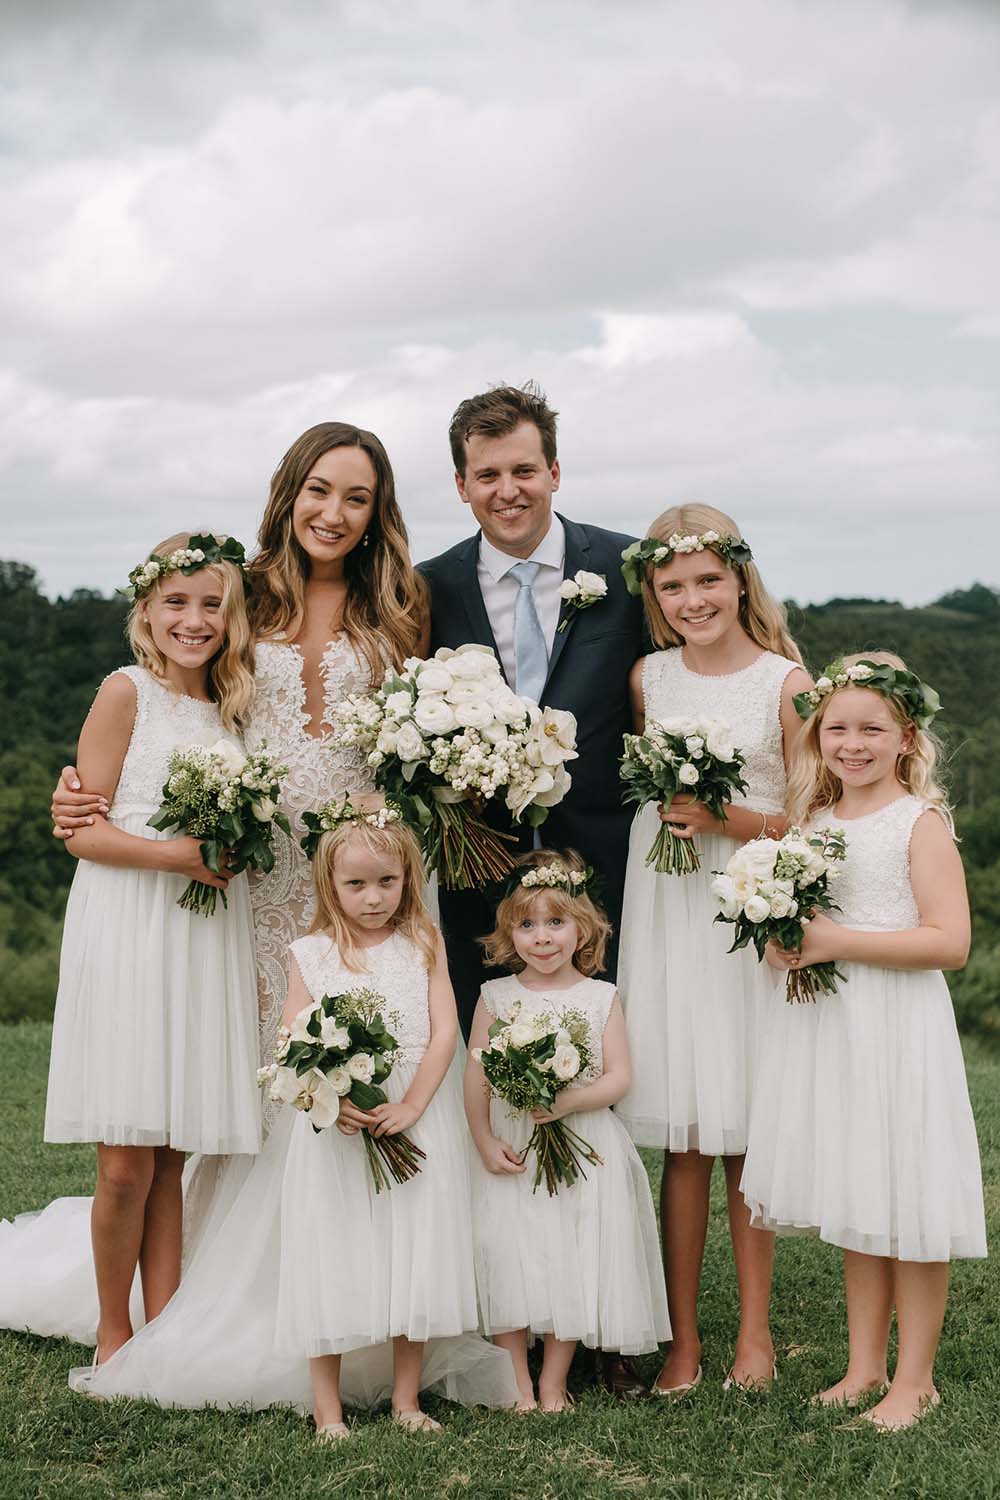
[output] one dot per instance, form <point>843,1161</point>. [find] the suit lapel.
<point>481,632</point>
<point>577,557</point>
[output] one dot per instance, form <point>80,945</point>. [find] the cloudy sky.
<point>751,249</point>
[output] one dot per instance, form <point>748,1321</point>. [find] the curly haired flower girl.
<point>155,1034</point>
<point>691,1009</point>
<point>861,1129</point>
<point>580,1263</point>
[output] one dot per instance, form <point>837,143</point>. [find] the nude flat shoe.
<point>677,1390</point>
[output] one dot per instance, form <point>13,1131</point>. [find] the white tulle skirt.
<point>861,1128</point>
<point>302,1258</point>
<point>691,1008</point>
<point>583,1264</point>
<point>154,1041</point>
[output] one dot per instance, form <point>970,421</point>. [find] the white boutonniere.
<point>581,591</point>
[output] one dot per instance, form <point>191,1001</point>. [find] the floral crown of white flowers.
<point>637,558</point>
<point>200,552</point>
<point>342,810</point>
<point>551,877</point>
<point>919,701</point>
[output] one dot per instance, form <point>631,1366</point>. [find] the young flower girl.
<point>861,1129</point>
<point>582,1264</point>
<point>692,1009</point>
<point>155,1035</point>
<point>313,1289</point>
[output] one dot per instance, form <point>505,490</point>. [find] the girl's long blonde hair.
<point>386,603</point>
<point>411,917</point>
<point>593,927</point>
<point>813,787</point>
<point>761,615</point>
<point>231,670</point>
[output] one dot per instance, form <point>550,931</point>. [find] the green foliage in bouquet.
<point>681,755</point>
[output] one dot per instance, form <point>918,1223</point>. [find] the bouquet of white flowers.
<point>527,1063</point>
<point>446,737</point>
<point>770,889</point>
<point>681,755</point>
<point>227,799</point>
<point>338,1048</point>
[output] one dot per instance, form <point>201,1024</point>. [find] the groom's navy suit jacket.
<point>588,674</point>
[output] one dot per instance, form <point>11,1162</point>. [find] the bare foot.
<point>850,1390</point>
<point>554,1399</point>
<point>680,1368</point>
<point>900,1409</point>
<point>753,1365</point>
<point>110,1343</point>
<point>415,1421</point>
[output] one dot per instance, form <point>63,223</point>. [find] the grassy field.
<point>54,1444</point>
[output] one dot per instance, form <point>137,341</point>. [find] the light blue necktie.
<point>531,657</point>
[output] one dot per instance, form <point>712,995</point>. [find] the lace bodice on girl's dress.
<point>395,969</point>
<point>872,887</point>
<point>748,702</point>
<point>282,901</point>
<point>591,997</point>
<point>164,720</point>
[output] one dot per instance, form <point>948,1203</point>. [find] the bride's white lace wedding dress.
<point>47,1281</point>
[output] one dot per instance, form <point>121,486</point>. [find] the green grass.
<point>54,1444</point>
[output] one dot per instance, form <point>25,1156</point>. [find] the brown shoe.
<point>619,1377</point>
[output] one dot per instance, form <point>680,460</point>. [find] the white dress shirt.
<point>499,590</point>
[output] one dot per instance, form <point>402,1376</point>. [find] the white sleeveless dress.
<point>861,1129</point>
<point>690,1006</point>
<point>309,1260</point>
<point>154,1036</point>
<point>585,1263</point>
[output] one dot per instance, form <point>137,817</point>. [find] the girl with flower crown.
<point>315,1289</point>
<point>583,1263</point>
<point>861,1129</point>
<point>155,1035</point>
<point>691,1009</point>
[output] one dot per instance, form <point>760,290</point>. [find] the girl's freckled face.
<point>544,940</point>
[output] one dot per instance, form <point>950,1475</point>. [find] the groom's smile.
<point>509,485</point>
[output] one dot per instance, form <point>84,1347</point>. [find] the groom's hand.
<point>72,807</point>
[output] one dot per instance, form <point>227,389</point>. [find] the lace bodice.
<point>164,720</point>
<point>282,901</point>
<point>873,887</point>
<point>592,997</point>
<point>749,702</point>
<point>396,969</point>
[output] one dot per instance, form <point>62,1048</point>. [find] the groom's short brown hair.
<point>497,412</point>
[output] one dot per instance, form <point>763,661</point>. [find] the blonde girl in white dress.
<point>154,1037</point>
<point>861,1129</point>
<point>314,1290</point>
<point>581,1265</point>
<point>691,1008</point>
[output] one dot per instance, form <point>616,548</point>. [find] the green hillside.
<point>54,653</point>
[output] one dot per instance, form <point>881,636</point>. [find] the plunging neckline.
<point>325,661</point>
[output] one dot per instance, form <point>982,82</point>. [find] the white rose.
<point>297,1031</point>
<point>286,1086</point>
<point>397,705</point>
<point>720,745</point>
<point>325,1106</point>
<point>780,904</point>
<point>333,1034</point>
<point>521,1034</point>
<point>507,706</point>
<point>566,1062</point>
<point>433,679</point>
<point>410,744</point>
<point>756,909</point>
<point>475,714</point>
<point>724,891</point>
<point>232,757</point>
<point>362,1067</point>
<point>687,774</point>
<point>264,810</point>
<point>339,1080</point>
<point>434,715</point>
<point>464,692</point>
<point>472,666</point>
<point>592,583</point>
<point>569,590</point>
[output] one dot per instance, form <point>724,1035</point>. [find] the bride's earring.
<point>365,540</point>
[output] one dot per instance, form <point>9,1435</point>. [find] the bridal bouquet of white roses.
<point>681,755</point>
<point>227,799</point>
<point>339,1047</point>
<point>770,889</point>
<point>446,737</point>
<point>527,1063</point>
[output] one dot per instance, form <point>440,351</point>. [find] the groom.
<point>500,588</point>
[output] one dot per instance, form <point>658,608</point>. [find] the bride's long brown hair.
<point>386,603</point>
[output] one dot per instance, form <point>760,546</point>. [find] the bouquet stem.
<point>392,1156</point>
<point>201,898</point>
<point>559,1155</point>
<point>804,984</point>
<point>466,852</point>
<point>671,855</point>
